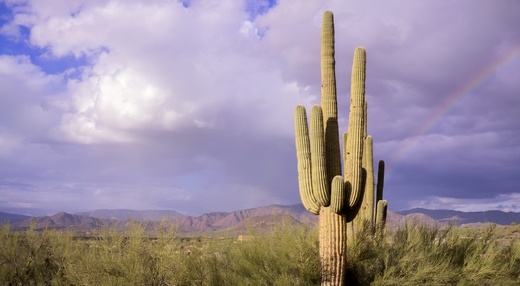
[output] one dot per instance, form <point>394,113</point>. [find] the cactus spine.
<point>324,192</point>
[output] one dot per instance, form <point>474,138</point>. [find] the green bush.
<point>426,255</point>
<point>286,255</point>
<point>30,257</point>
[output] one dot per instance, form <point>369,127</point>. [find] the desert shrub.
<point>125,258</point>
<point>31,257</point>
<point>493,261</point>
<point>286,255</point>
<point>419,254</point>
<point>365,256</point>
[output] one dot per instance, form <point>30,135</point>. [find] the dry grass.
<point>287,255</point>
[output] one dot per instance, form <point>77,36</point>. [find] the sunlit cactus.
<point>324,191</point>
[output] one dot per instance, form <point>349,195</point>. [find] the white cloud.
<point>20,68</point>
<point>164,74</point>
<point>162,84</point>
<point>24,98</point>
<point>503,202</point>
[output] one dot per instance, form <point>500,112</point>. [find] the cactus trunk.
<point>333,247</point>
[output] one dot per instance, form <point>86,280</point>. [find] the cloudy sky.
<point>164,104</point>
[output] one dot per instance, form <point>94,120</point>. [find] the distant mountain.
<point>123,214</point>
<point>201,223</point>
<point>418,218</point>
<point>261,223</point>
<point>62,221</point>
<point>206,223</point>
<point>8,217</point>
<point>458,217</point>
<point>393,219</point>
<point>221,220</point>
<point>239,221</point>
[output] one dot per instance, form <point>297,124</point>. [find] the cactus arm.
<point>354,148</point>
<point>338,196</point>
<point>320,185</point>
<point>353,210</point>
<point>354,174</point>
<point>380,180</point>
<point>382,207</point>
<point>365,120</point>
<point>303,154</point>
<point>368,208</point>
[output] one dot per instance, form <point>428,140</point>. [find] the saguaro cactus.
<point>323,190</point>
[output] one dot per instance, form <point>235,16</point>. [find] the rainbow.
<point>466,89</point>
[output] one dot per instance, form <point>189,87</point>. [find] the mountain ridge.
<point>210,222</point>
<point>122,214</point>
<point>221,221</point>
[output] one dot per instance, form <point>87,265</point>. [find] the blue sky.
<point>189,105</point>
<point>19,44</point>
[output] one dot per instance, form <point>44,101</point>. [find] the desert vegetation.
<point>286,255</point>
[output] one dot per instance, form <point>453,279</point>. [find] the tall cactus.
<point>324,192</point>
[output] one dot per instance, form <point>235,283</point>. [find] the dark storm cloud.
<point>193,109</point>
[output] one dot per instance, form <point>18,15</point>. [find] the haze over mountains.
<point>238,221</point>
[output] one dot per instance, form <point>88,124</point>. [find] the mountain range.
<point>239,221</point>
